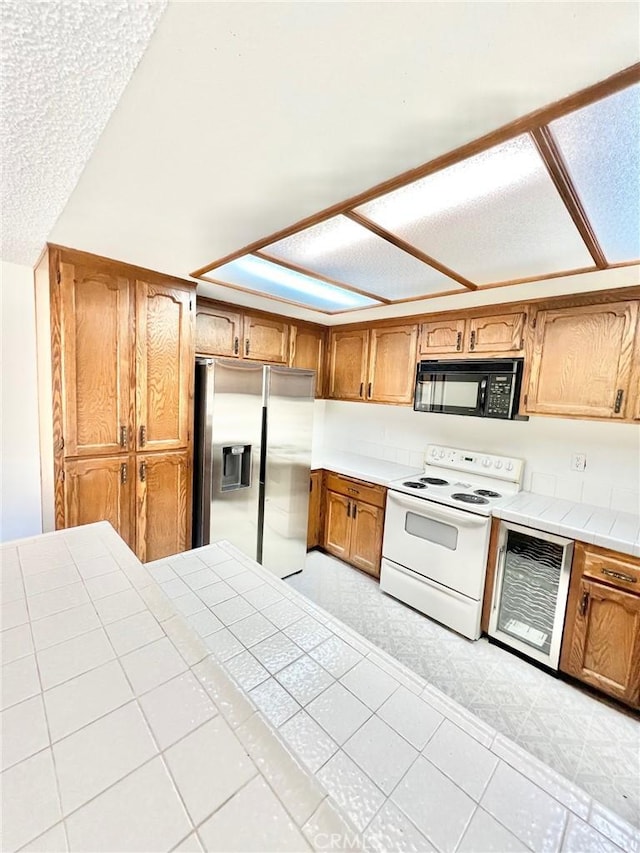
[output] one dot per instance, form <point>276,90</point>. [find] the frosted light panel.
<point>600,145</point>
<point>493,217</point>
<point>269,279</point>
<point>343,250</point>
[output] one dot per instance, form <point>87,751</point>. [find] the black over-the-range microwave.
<point>483,389</point>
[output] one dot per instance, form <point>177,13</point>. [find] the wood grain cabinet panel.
<point>581,361</point>
<point>97,360</point>
<point>307,352</point>
<point>164,366</point>
<point>163,505</point>
<point>266,339</point>
<point>315,510</point>
<point>337,531</point>
<point>218,332</point>
<point>100,490</point>
<point>366,537</point>
<point>502,333</point>
<point>348,360</point>
<point>442,336</point>
<point>392,363</point>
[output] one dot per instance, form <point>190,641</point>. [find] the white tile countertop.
<point>155,708</point>
<point>607,528</point>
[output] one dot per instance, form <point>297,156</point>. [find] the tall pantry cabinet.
<point>122,342</point>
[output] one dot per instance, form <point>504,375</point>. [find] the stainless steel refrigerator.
<point>252,456</point>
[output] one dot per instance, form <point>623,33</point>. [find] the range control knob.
<point>441,454</point>
<point>509,465</point>
<point>434,452</point>
<point>486,462</point>
<point>498,463</point>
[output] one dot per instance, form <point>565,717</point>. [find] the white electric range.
<point>436,533</point>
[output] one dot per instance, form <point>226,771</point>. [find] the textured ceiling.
<point>65,66</point>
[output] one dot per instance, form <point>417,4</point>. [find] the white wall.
<point>20,510</point>
<point>612,476</point>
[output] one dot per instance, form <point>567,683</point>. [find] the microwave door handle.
<point>483,394</point>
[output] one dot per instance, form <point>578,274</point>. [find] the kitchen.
<point>387,432</point>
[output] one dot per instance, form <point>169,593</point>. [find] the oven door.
<point>441,543</point>
<point>452,393</point>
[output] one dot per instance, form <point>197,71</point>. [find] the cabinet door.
<point>604,644</point>
<point>164,363</point>
<point>266,340</point>
<point>307,351</point>
<point>442,336</point>
<point>315,506</point>
<point>348,364</point>
<point>581,360</point>
<point>392,364</point>
<point>163,504</point>
<point>100,490</point>
<point>337,528</point>
<point>97,350</point>
<point>503,333</point>
<point>366,537</point>
<point>218,332</point>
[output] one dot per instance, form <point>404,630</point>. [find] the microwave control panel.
<point>499,395</point>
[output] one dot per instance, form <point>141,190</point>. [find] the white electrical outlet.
<point>578,461</point>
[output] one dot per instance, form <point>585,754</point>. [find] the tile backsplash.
<point>398,434</point>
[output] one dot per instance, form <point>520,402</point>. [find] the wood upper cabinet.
<point>348,360</point>
<point>392,363</point>
<point>266,339</point>
<point>100,490</point>
<point>97,360</point>
<point>366,537</point>
<point>307,351</point>
<point>315,510</point>
<point>581,360</point>
<point>501,333</point>
<point>218,332</point>
<point>163,504</point>
<point>337,530</point>
<point>442,336</point>
<point>164,366</point>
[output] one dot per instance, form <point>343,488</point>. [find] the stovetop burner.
<point>434,481</point>
<point>469,499</point>
<point>487,493</point>
<point>413,484</point>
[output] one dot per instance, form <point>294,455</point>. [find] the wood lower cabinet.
<point>218,332</point>
<point>348,361</point>
<point>314,536</point>
<point>101,490</point>
<point>601,641</point>
<point>307,352</point>
<point>392,364</point>
<point>164,366</point>
<point>163,504</point>
<point>266,339</point>
<point>581,361</point>
<point>354,521</point>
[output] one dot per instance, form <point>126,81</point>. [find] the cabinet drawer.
<point>615,570</point>
<point>356,489</point>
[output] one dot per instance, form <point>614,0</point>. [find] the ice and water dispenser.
<point>236,467</point>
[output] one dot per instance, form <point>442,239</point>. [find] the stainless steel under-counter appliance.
<point>252,457</point>
<point>530,591</point>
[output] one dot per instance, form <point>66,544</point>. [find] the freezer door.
<point>289,400</point>
<point>234,432</point>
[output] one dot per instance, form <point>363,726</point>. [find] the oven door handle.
<point>436,511</point>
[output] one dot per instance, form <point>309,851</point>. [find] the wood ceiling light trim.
<point>311,274</point>
<point>525,124</point>
<point>559,174</point>
<point>408,248</point>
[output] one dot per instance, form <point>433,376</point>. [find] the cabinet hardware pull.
<point>619,576</point>
<point>61,442</point>
<point>353,491</point>
<point>123,436</point>
<point>143,471</point>
<point>472,344</point>
<point>361,388</point>
<point>584,603</point>
<point>236,346</point>
<point>143,436</point>
<point>310,485</point>
<point>355,508</point>
<point>459,341</point>
<point>348,509</point>
<point>618,406</point>
<point>123,473</point>
<point>369,391</point>
<point>246,347</point>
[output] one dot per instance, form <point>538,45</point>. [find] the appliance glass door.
<point>438,542</point>
<point>289,404</point>
<point>452,393</point>
<point>531,592</point>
